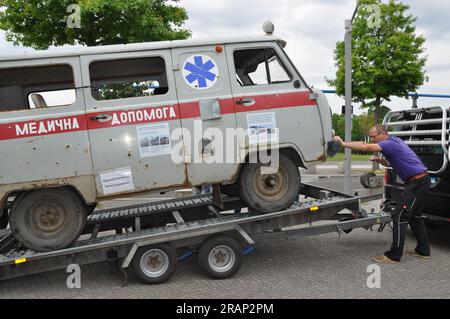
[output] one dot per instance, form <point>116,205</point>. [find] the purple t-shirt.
<point>403,160</point>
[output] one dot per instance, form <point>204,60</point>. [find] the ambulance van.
<point>81,125</point>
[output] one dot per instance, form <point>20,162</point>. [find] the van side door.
<point>270,94</point>
<point>132,110</point>
<point>207,113</point>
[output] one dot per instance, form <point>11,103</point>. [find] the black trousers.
<point>409,211</point>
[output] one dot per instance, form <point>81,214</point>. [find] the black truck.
<point>426,131</point>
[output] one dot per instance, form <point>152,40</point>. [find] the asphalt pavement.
<point>323,266</point>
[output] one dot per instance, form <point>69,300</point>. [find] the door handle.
<point>101,118</point>
<point>246,101</point>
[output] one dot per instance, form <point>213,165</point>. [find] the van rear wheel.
<point>267,193</point>
<point>48,219</point>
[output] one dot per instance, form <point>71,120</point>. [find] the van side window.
<point>259,67</point>
<point>26,88</point>
<point>128,78</point>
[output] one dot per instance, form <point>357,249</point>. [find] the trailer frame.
<point>188,237</point>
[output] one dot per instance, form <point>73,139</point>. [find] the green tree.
<point>366,122</point>
<point>388,57</point>
<point>338,122</point>
<point>43,23</point>
<point>358,132</point>
<point>361,125</point>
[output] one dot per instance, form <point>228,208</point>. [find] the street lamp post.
<point>348,100</point>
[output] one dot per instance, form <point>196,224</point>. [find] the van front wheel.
<point>48,219</point>
<point>269,192</point>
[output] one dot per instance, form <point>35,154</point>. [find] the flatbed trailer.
<point>150,238</point>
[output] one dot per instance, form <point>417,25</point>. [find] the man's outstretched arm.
<point>359,146</point>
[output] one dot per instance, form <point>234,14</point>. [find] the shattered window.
<point>23,88</point>
<point>259,67</point>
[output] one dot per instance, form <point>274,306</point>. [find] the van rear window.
<point>34,87</point>
<point>128,78</point>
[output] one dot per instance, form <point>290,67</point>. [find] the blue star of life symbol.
<point>200,72</point>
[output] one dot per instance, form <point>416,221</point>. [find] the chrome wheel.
<point>154,263</point>
<point>221,258</point>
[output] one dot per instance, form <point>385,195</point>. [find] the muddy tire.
<point>270,193</point>
<point>48,219</point>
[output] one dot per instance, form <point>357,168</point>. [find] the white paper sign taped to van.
<point>117,181</point>
<point>200,72</point>
<point>154,140</point>
<point>262,128</point>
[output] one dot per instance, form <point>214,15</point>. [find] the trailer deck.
<point>136,241</point>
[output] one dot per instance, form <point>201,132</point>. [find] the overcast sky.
<point>312,28</point>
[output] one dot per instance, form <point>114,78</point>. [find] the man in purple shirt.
<point>413,172</point>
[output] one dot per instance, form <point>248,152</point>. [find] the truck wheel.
<point>270,192</point>
<point>48,219</point>
<point>220,257</point>
<point>155,264</point>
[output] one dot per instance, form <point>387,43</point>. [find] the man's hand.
<point>380,160</point>
<point>375,159</point>
<point>339,139</point>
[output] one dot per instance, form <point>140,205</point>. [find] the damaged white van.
<point>81,125</point>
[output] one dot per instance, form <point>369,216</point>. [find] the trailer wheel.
<point>48,219</point>
<point>220,257</point>
<point>266,193</point>
<point>155,264</point>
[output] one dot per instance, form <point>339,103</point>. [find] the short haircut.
<point>380,129</point>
